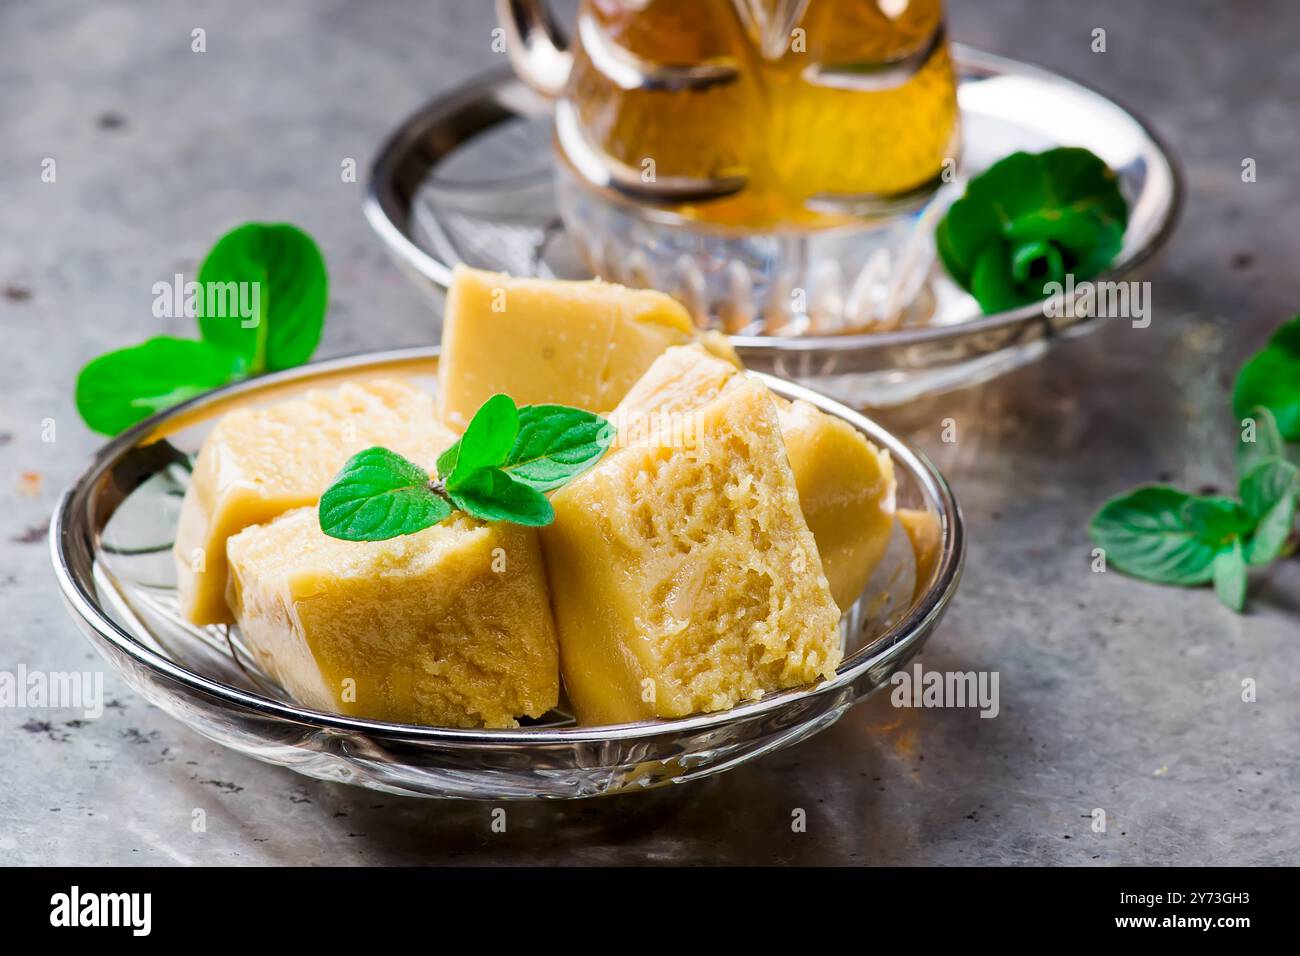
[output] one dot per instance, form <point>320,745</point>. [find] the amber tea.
<point>758,112</point>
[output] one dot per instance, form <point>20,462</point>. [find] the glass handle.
<point>537,47</point>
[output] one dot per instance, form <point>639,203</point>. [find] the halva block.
<point>258,463</point>
<point>846,484</point>
<point>846,488</point>
<point>546,341</point>
<point>926,536</point>
<point>684,578</point>
<point>450,626</point>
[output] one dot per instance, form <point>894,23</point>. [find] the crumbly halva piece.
<point>685,579</point>
<point>449,627</point>
<point>258,463</point>
<point>846,484</point>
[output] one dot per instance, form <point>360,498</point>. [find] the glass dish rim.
<point>71,554</point>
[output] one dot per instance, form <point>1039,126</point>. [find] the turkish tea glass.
<point>766,161</point>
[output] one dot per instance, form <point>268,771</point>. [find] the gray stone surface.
<point>1114,693</point>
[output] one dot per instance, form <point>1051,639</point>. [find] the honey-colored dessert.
<point>260,462</point>
<point>683,378</point>
<point>450,626</point>
<point>846,484</point>
<point>922,528</point>
<point>545,341</point>
<point>685,579</point>
<point>846,488</point>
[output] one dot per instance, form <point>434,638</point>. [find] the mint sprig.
<point>1155,533</point>
<point>492,495</point>
<point>293,294</point>
<point>1268,494</point>
<point>1271,379</point>
<point>121,388</point>
<point>1260,439</point>
<point>485,444</point>
<point>497,471</point>
<point>380,494</point>
<point>275,273</point>
<point>1168,536</point>
<point>1230,576</point>
<point>551,445</point>
<point>1031,219</point>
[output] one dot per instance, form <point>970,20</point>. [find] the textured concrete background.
<point>1114,693</point>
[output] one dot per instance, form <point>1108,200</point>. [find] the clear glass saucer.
<point>472,178</point>
<point>110,541</point>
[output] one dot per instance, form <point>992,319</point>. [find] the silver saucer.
<point>471,178</point>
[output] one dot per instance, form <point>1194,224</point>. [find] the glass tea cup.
<point>763,159</point>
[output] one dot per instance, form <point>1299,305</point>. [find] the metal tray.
<point>471,178</point>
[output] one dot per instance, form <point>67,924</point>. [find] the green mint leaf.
<point>1268,493</point>
<point>1271,534</point>
<point>1230,577</point>
<point>1147,533</point>
<point>1031,219</point>
<point>491,495</point>
<point>1268,483</point>
<point>487,441</point>
<point>1091,240</point>
<point>556,443</point>
<point>992,284</point>
<point>121,388</point>
<point>1271,378</point>
<point>447,460</point>
<point>1216,520</point>
<point>1037,259</point>
<point>1267,440</point>
<point>264,296</point>
<point>377,495</point>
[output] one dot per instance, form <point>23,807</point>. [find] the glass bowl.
<point>110,542</point>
